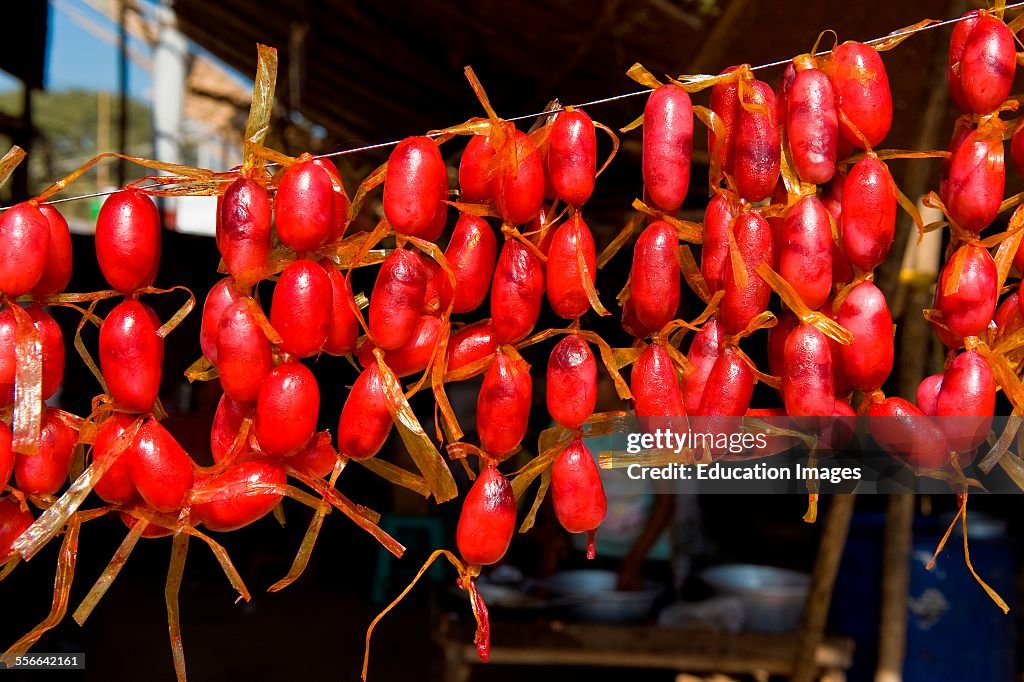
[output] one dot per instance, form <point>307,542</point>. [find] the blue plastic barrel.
<point>954,631</point>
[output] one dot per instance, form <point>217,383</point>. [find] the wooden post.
<point>892,628</point>
<point>823,580</point>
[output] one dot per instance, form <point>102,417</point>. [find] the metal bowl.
<point>773,598</point>
<point>590,595</point>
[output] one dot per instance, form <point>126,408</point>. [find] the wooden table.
<point>555,643</point>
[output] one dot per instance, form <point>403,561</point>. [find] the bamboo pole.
<point>823,580</point>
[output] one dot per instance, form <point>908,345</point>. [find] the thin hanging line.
<point>592,103</point>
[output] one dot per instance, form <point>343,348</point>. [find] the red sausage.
<point>304,206</point>
<point>805,253</point>
<point>572,157</point>
<point>286,409</point>
<point>233,506</point>
<point>572,382</point>
<point>318,459</point>
<point>733,381</point>
<point>518,189</point>
<point>654,277</point>
<point>812,124</point>
<point>412,356</point>
<point>976,181</point>
<point>221,296</point>
<point>655,385</point>
<point>300,309</point>
<point>906,433</point>
<point>868,213</point>
<point>116,486</point>
<point>714,252</point>
<point>13,522</point>
<point>397,298</point>
<point>566,294</point>
<point>415,186</point>
<point>725,103</point>
<point>471,343</point>
<point>8,358</point>
<point>832,198</point>
<point>862,92</point>
<point>341,202</point>
<point>741,304</point>
<point>516,292</point>
<point>24,248</point>
<point>972,306</point>
<point>957,39</point>
<point>52,341</point>
<point>243,231</point>
<point>57,272</point>
<point>966,401</point>
<point>667,147</point>
<point>45,472</point>
<point>475,169</point>
<point>777,336</point>
<point>471,253</point>
<point>488,519</point>
<point>576,489</point>
<point>1009,315</point>
<point>244,356</point>
<point>1017,150</point>
<point>503,406</point>
<point>928,394</point>
<point>868,360</point>
<point>128,240</point>
<point>758,152</point>
<point>160,468</point>
<point>807,386</point>
<point>986,65</point>
<point>342,326</point>
<point>704,351</point>
<point>365,419</point>
<point>227,421</point>
<point>132,355</point>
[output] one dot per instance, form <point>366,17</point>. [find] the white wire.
<point>592,103</point>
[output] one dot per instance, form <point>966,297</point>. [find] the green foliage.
<point>67,136</point>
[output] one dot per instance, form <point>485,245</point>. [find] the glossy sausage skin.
<point>741,304</point>
<point>714,252</point>
<point>861,87</point>
<point>243,231</point>
<point>968,310</point>
<point>805,258</point>
<point>488,519</point>
<point>572,157</point>
<point>397,298</point>
<point>868,213</point>
<point>564,277</point>
<point>516,292</point>
<point>812,125</point>
<point>867,361</point>
<point>128,240</point>
<point>667,147</point>
<point>571,382</point>
<point>131,355</point>
<point>503,406</point>
<point>304,206</point>
<point>758,151</point>
<point>415,186</point>
<point>654,277</point>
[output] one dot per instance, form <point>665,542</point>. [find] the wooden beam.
<point>892,626</point>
